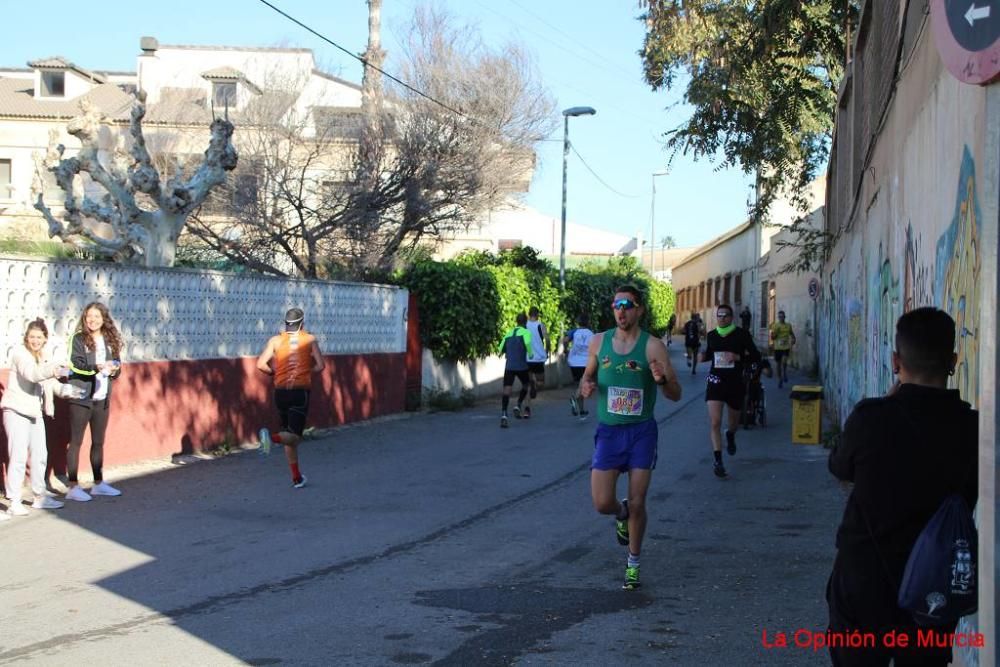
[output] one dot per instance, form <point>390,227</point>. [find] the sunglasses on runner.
<point>723,314</point>
<point>623,304</point>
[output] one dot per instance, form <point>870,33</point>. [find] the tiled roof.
<point>17,100</point>
<point>222,73</point>
<point>58,62</point>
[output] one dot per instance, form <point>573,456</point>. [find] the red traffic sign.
<point>967,34</point>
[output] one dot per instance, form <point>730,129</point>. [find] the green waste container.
<point>807,404</point>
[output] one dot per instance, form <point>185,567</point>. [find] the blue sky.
<point>586,54</point>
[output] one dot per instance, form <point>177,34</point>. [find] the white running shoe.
<point>17,509</point>
<point>46,503</point>
<point>264,438</point>
<point>104,489</point>
<point>78,494</point>
<point>301,483</point>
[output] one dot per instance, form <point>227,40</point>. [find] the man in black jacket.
<point>905,453</point>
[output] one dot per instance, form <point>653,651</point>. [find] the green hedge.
<point>469,303</point>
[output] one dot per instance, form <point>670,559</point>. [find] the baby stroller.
<point>754,397</point>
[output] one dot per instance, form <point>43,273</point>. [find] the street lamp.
<point>652,223</point>
<point>572,111</point>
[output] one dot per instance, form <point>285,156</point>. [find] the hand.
<point>587,388</point>
<point>659,371</point>
<point>62,372</point>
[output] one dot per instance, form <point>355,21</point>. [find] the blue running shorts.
<point>625,446</point>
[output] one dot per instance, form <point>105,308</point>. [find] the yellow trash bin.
<point>807,403</point>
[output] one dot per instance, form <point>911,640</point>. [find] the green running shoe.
<point>621,526</point>
<point>631,578</point>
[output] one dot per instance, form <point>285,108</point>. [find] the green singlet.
<point>626,391</point>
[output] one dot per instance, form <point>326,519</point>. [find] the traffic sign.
<point>967,33</point>
<point>813,288</point>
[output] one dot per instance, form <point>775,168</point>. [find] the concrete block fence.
<point>189,381</point>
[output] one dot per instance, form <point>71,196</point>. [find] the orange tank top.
<point>293,361</point>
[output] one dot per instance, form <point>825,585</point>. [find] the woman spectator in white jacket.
<point>29,392</point>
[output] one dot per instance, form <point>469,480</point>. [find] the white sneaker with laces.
<point>17,509</point>
<point>46,503</point>
<point>299,484</point>
<point>104,489</point>
<point>77,494</point>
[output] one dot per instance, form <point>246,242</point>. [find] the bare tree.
<point>340,190</point>
<point>118,226</point>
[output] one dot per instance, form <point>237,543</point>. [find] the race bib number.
<point>624,401</point>
<point>724,360</point>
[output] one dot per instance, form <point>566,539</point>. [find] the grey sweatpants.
<point>25,440</point>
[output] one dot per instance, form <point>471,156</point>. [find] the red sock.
<point>296,475</point>
<point>276,437</point>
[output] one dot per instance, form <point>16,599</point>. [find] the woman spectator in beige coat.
<point>29,393</point>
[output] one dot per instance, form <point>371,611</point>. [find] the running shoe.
<point>46,503</point>
<point>104,489</point>
<point>517,412</point>
<point>264,438</point>
<point>731,442</point>
<point>17,509</point>
<point>527,413</point>
<point>300,482</point>
<point>503,421</point>
<point>621,525</point>
<point>631,578</point>
<point>573,407</point>
<point>78,494</point>
<point>719,470</point>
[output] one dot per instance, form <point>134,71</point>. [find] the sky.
<point>586,53</point>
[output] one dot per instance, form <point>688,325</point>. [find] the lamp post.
<point>572,111</point>
<point>652,223</point>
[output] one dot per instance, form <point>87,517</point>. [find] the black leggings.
<point>95,414</point>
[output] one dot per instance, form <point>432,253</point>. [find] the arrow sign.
<point>976,13</point>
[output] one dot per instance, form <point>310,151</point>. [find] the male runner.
<point>516,346</point>
<point>539,351</point>
<point>292,357</point>
<point>782,338</point>
<point>626,367</point>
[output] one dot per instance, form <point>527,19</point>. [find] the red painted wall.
<point>172,407</point>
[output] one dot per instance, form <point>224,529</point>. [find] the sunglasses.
<point>723,315</point>
<point>623,304</point>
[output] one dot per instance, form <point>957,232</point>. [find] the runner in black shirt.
<point>727,348</point>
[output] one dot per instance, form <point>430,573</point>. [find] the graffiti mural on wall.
<point>957,279</point>
<point>869,290</point>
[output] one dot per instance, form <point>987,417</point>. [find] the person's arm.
<point>663,373</point>
<point>78,362</point>
<point>26,367</point>
<point>707,354</point>
<point>319,363</point>
<point>791,334</point>
<point>844,453</point>
<point>526,337</point>
<point>588,383</point>
<point>543,332</point>
<point>264,360</point>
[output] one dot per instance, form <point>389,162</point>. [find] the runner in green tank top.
<point>625,368</point>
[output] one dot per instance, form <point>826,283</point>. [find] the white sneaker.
<point>46,503</point>
<point>4,517</point>
<point>104,489</point>
<point>17,509</point>
<point>77,494</point>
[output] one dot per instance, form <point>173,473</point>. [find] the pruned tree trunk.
<point>147,237</point>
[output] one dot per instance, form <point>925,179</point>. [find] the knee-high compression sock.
<point>534,390</point>
<point>504,402</point>
<point>521,395</point>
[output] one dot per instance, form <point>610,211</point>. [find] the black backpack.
<point>940,582</point>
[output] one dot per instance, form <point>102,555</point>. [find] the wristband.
<point>660,384</point>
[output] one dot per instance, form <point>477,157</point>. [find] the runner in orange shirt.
<point>292,357</point>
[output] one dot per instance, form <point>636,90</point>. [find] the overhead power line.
<point>368,64</point>
<point>601,180</point>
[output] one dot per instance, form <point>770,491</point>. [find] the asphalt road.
<point>434,539</point>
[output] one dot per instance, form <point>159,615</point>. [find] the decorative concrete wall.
<point>189,380</point>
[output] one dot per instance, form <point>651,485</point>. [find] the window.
<point>726,292</point>
<point>764,302</point>
<point>738,289</point>
<point>6,191</point>
<point>224,94</point>
<point>509,244</point>
<point>53,84</point>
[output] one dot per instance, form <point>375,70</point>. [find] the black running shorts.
<point>293,405</point>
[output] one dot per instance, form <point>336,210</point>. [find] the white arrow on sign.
<point>976,13</point>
